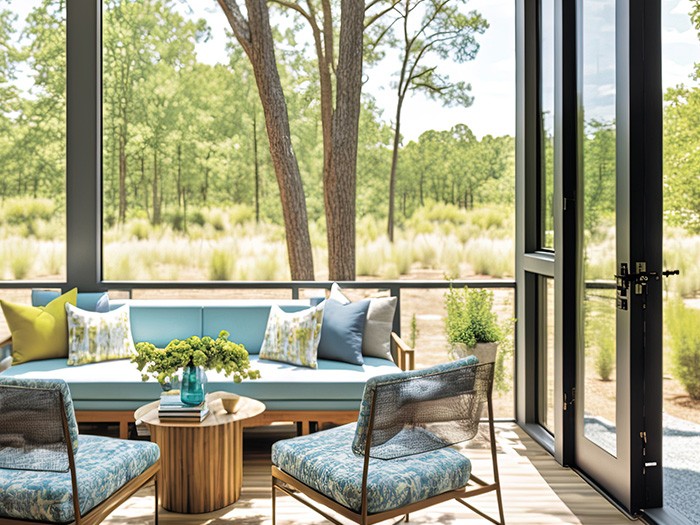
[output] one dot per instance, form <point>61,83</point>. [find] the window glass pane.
<point>547,123</point>
<point>546,367</point>
<point>32,140</point>
<point>190,193</point>
<point>423,327</point>
<point>599,241</point>
<point>681,379</point>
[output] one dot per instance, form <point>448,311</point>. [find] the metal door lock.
<point>640,278</point>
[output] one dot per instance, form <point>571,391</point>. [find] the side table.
<point>201,463</point>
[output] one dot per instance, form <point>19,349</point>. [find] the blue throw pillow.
<point>341,332</point>
<point>90,301</point>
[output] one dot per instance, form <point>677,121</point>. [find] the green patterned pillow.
<point>94,337</point>
<point>293,337</point>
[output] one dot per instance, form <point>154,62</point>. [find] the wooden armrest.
<point>405,355</point>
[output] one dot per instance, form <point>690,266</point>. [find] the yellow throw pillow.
<point>39,332</point>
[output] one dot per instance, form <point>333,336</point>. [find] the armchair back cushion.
<point>30,416</point>
<point>422,410</point>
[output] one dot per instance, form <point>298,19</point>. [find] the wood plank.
<point>535,490</point>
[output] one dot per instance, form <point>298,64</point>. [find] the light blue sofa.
<point>111,391</point>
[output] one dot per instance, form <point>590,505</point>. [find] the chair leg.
<point>155,497</point>
<point>407,518</point>
<point>274,510</point>
<point>500,505</point>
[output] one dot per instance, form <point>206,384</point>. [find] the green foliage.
<point>218,354</point>
<point>23,211</point>
<point>604,340</point>
<point>414,331</point>
<point>21,261</point>
<point>221,266</point>
<point>140,229</point>
<point>470,317</point>
<point>502,377</point>
<point>684,328</point>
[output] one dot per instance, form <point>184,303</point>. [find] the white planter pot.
<point>484,352</point>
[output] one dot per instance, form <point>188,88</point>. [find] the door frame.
<point>639,150</point>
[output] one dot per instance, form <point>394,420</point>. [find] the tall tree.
<point>428,29</point>
<point>254,33</point>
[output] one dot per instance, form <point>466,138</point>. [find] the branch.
<point>293,7</point>
<point>238,23</point>
<point>381,35</point>
<point>381,13</point>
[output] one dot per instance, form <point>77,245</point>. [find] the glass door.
<point>618,299</point>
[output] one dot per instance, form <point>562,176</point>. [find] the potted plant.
<point>472,325</point>
<point>194,355</point>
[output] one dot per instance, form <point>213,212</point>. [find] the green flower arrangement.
<point>218,354</point>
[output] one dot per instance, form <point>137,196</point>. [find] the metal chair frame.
<point>287,484</point>
<point>98,513</point>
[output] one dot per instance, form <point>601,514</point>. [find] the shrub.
<point>220,266</point>
<point>684,328</point>
<point>217,220</point>
<point>21,262</point>
<point>605,356</point>
<point>414,331</point>
<point>140,229</point>
<point>470,317</point>
<point>424,251</point>
<point>25,210</point>
<point>197,217</point>
<point>241,213</point>
<point>491,257</point>
<point>402,257</point>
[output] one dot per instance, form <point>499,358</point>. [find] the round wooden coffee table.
<point>201,463</point>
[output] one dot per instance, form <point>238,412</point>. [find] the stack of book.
<point>172,409</point>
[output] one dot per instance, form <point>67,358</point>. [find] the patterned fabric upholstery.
<point>358,444</point>
<point>325,461</point>
<point>103,466</point>
<point>52,384</point>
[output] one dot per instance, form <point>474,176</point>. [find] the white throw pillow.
<point>293,337</point>
<point>376,341</point>
<point>94,336</point>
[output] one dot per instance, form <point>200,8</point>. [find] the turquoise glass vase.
<point>192,385</point>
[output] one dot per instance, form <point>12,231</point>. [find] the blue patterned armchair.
<point>51,474</point>
<point>398,458</point>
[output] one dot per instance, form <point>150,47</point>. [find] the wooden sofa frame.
<point>403,354</point>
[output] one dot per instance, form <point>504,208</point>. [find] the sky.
<point>491,74</point>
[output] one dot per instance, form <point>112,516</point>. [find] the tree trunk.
<point>122,178</point>
<point>144,186</point>
<point>255,35</point>
<point>156,198</point>
<point>392,173</point>
<point>179,175</point>
<point>341,180</point>
<point>256,166</point>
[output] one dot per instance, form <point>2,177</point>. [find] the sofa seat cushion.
<point>103,465</point>
<point>325,462</point>
<point>117,385</point>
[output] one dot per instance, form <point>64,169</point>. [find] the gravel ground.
<point>681,461</point>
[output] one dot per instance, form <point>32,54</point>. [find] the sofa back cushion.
<point>159,324</point>
<point>245,323</point>
<point>90,301</point>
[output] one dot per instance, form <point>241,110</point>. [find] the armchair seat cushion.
<point>103,465</point>
<point>325,462</point>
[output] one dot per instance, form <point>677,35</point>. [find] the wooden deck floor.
<point>535,490</point>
